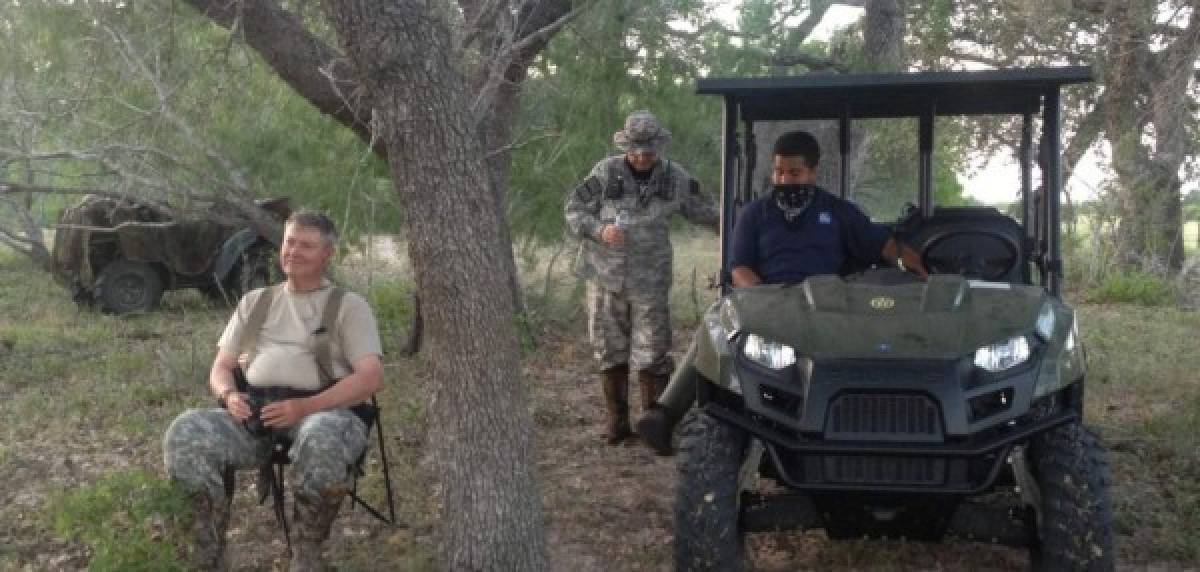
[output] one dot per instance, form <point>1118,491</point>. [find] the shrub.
<point>131,521</point>
<point>1131,287</point>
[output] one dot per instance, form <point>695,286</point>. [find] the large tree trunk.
<point>1144,89</point>
<point>883,35</point>
<point>481,430</point>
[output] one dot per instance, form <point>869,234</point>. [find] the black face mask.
<point>793,199</point>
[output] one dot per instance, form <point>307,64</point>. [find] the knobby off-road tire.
<point>1071,468</point>
<point>258,268</point>
<point>708,534</point>
<point>125,286</point>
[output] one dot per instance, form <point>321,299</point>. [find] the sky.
<point>991,180</point>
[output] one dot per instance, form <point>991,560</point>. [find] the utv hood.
<point>943,318</point>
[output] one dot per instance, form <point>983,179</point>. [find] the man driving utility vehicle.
<point>796,231</point>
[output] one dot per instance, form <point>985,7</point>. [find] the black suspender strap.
<point>248,345</point>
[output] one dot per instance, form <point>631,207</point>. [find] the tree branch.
<point>1090,128</point>
<point>536,29</point>
<point>138,64</point>
<point>301,59</point>
<point>9,187</point>
<point>816,63</point>
<point>816,13</point>
<point>515,58</point>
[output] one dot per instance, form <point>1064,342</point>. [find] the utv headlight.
<point>729,318</point>
<point>767,353</point>
<point>1045,322</point>
<point>1004,355</point>
<point>1072,334</point>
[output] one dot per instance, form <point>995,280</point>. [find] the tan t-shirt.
<point>286,354</point>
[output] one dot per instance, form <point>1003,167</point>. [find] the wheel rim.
<point>129,291</point>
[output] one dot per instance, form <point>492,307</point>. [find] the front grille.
<point>903,417</point>
<point>911,375</point>
<point>853,469</point>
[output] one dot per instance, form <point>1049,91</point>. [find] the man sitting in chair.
<point>310,353</point>
<point>797,231</point>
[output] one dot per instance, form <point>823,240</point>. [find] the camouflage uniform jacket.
<point>643,262</point>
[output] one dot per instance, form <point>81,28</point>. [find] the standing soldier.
<point>621,212</point>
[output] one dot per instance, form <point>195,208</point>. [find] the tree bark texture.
<point>883,35</point>
<point>480,426</point>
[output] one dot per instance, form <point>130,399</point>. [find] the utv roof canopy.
<point>877,95</point>
<point>1028,93</point>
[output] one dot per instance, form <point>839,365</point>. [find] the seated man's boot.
<point>616,403</point>
<point>312,520</point>
<point>658,420</point>
<point>209,520</point>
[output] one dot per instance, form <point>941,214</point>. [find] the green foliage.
<point>154,100</point>
<point>1191,205</point>
<point>1131,287</point>
<point>130,520</point>
<point>1142,368</point>
<point>621,56</point>
<point>892,167</point>
<point>590,77</point>
<point>391,299</point>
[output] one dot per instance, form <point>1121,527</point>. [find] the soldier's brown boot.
<point>209,520</point>
<point>616,402</point>
<point>652,386</point>
<point>312,520</point>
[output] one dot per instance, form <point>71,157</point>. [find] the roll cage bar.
<point>1028,92</point>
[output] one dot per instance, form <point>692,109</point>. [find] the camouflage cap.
<point>642,132</point>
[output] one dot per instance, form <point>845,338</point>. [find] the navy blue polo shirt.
<point>830,232</point>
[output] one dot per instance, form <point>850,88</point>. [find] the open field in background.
<point>1084,227</point>
<point>86,397</point>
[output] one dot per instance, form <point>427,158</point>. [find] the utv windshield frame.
<point>1029,93</point>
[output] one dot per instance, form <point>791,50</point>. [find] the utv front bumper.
<point>906,427</point>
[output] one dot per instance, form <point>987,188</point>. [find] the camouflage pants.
<point>630,329</point>
<point>201,444</point>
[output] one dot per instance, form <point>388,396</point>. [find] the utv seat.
<point>976,242</point>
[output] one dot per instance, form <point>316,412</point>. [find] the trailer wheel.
<point>125,286</point>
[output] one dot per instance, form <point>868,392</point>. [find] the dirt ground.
<point>609,508</point>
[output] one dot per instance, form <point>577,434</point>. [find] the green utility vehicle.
<point>889,406</point>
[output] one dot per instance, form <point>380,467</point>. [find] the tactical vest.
<point>616,183</point>
<point>326,333</point>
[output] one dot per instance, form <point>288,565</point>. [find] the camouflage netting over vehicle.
<point>123,253</point>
